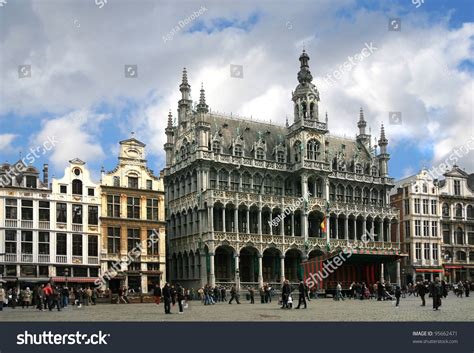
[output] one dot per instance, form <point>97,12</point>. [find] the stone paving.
<point>453,309</point>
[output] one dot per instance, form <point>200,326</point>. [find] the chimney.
<point>45,175</point>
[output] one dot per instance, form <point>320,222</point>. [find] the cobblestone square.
<point>453,309</point>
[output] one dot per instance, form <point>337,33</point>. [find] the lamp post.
<point>66,274</point>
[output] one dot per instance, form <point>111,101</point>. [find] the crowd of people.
<point>47,297</point>
<point>50,296</point>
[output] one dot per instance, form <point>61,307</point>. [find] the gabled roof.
<point>77,161</point>
<point>456,172</point>
<point>132,140</point>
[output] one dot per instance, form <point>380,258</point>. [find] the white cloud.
<point>76,133</point>
<point>414,71</point>
<point>6,142</point>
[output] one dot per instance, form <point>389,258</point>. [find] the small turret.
<point>202,107</point>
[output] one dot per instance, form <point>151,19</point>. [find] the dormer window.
<point>238,151</point>
<point>374,172</point>
<point>76,187</point>
<point>260,154</point>
<point>31,182</point>
<point>358,169</point>
<point>281,157</point>
<point>457,187</point>
<point>216,147</point>
<point>133,182</point>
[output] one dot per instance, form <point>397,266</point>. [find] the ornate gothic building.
<point>227,179</point>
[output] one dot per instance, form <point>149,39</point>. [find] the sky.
<point>63,76</point>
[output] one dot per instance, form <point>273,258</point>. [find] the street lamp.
<point>66,274</point>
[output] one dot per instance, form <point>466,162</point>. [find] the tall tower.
<point>383,156</point>
<point>362,136</point>
<point>185,104</point>
<point>306,96</point>
<point>169,140</point>
<point>202,107</point>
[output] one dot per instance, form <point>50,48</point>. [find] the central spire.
<point>304,75</point>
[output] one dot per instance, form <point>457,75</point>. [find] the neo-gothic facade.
<point>226,178</point>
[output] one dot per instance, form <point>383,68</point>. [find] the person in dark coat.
<point>302,297</point>
<point>421,289</point>
<point>444,287</point>
<point>285,294</point>
<point>467,286</point>
<point>398,293</point>
<point>252,295</point>
<point>180,297</point>
<point>436,292</point>
<point>157,294</point>
<point>166,292</point>
<point>233,295</point>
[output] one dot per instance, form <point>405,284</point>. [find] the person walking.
<point>157,294</point>
<point>302,295</point>
<point>180,297</point>
<point>467,286</point>
<point>26,298</point>
<point>398,293</point>
<point>166,292</point>
<point>252,295</point>
<point>285,294</point>
<point>436,292</point>
<point>39,297</point>
<point>2,296</point>
<point>421,290</point>
<point>234,295</point>
<point>55,298</point>
<point>223,294</point>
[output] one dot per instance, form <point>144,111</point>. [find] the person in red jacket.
<point>48,291</point>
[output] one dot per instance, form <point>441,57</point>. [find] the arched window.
<point>374,172</point>
<point>288,187</point>
<point>366,196</point>
<point>459,236</point>
<point>234,181</point>
<point>349,194</point>
<point>238,150</point>
<point>374,196</point>
<point>223,179</point>
<point>445,210</point>
<point>357,194</point>
<point>332,192</point>
<point>461,256</point>
<point>281,157</point>
<point>257,183</point>
<point>213,178</point>
<point>77,187</point>
<point>216,147</point>
<point>183,153</point>
<point>260,154</point>
<point>268,185</point>
<point>246,181</point>
<point>298,147</point>
<point>470,212</point>
<point>458,210</point>
<point>340,193</point>
<point>312,150</point>
<point>425,188</point>
<point>358,168</point>
<point>278,186</point>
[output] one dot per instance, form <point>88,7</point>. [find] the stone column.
<point>292,224</point>
<point>259,221</point>
<point>260,270</point>
<point>237,272</point>
<point>364,226</point>
<point>248,221</point>
<point>282,269</point>
<point>212,276</point>
<point>223,220</point>
<point>336,226</point>
<point>355,228</point>
<point>389,231</point>
<point>203,270</point>
<point>398,279</point>
<point>270,225</point>
<point>304,224</point>
<point>282,225</point>
<point>210,218</point>
<point>236,221</point>
<point>381,272</point>
<point>346,228</point>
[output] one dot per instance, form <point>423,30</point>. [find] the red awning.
<point>452,266</point>
<point>430,270</point>
<point>75,279</point>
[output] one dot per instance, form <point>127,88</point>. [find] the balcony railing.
<point>43,225</point>
<point>61,259</point>
<point>26,257</point>
<point>45,258</point>
<point>27,224</point>
<point>11,223</point>
<point>93,260</point>
<point>77,227</point>
<point>10,258</point>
